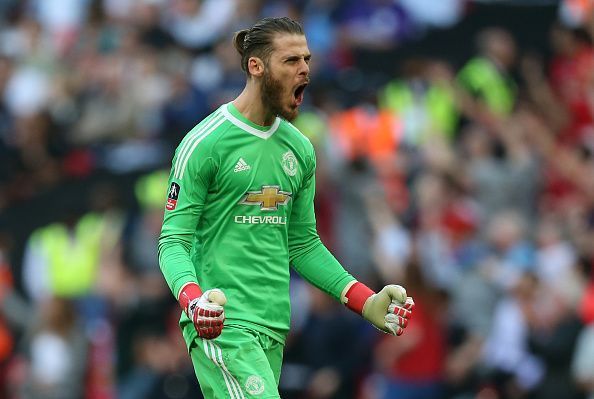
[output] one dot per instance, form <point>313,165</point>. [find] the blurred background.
<point>455,144</point>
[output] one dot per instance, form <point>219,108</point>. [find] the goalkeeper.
<point>239,211</point>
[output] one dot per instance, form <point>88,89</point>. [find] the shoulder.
<point>304,148</point>
<point>46,232</point>
<point>476,67</point>
<point>198,146</point>
<point>300,140</point>
<point>205,134</point>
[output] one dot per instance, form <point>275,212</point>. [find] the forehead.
<point>286,44</point>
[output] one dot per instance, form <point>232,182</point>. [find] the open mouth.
<point>298,93</point>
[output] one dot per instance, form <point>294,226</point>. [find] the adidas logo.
<point>241,165</point>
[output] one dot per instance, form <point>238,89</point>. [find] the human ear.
<point>255,66</point>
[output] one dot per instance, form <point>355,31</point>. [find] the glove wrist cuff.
<point>188,292</point>
<point>356,297</point>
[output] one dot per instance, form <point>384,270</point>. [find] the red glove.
<point>204,309</point>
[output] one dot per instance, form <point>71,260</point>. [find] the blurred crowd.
<point>470,183</point>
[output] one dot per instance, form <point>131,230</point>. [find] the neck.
<point>249,103</point>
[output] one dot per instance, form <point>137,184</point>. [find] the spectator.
<point>325,370</point>
<point>374,24</point>
<point>487,77</point>
<point>483,174</point>
<point>506,352</point>
<point>571,78</point>
<point>58,353</point>
<point>583,358</point>
<point>424,101</point>
<point>412,368</point>
<point>197,24</point>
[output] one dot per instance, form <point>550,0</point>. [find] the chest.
<point>264,173</point>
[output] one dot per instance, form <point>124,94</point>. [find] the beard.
<point>272,97</point>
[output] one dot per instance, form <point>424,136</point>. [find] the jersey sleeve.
<point>191,174</point>
<point>307,254</point>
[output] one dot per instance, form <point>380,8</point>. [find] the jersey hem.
<point>279,336</point>
<point>190,334</point>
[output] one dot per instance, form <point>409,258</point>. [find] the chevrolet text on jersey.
<point>243,219</point>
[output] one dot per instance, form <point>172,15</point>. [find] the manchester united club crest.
<point>289,163</point>
<point>254,385</point>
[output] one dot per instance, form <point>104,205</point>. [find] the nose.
<point>304,68</point>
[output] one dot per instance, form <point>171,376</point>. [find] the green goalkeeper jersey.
<point>239,211</point>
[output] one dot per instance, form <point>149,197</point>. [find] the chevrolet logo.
<point>269,198</point>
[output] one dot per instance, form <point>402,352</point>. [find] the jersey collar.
<point>235,117</point>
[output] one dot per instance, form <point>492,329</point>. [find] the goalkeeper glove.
<point>388,310</point>
<point>204,309</point>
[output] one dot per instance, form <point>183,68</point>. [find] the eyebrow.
<point>294,57</point>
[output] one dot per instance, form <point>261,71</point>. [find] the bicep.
<point>302,235</point>
<point>303,208</point>
<point>186,195</point>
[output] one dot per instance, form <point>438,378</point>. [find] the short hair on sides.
<point>256,41</point>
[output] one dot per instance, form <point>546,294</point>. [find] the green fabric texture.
<point>240,363</point>
<point>243,209</point>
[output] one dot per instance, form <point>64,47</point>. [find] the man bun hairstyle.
<point>238,41</point>
<point>257,40</point>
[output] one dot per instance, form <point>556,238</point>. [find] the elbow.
<point>298,250</point>
<point>172,243</point>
